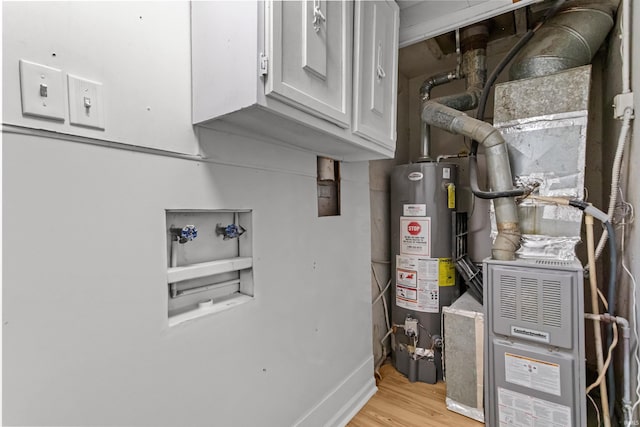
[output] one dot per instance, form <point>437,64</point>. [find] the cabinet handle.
<point>318,16</point>
<point>379,70</point>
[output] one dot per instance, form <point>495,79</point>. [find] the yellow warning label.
<point>451,193</point>
<point>446,272</point>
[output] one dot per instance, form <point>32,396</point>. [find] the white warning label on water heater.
<point>415,236</point>
<point>417,284</point>
<point>519,410</point>
<point>532,373</point>
<point>414,210</point>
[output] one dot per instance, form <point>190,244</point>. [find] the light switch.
<point>42,91</point>
<point>85,102</point>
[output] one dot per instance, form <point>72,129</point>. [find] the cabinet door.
<point>376,71</point>
<point>310,56</point>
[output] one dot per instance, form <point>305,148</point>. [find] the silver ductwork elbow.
<point>446,113</point>
<point>569,39</point>
<point>457,122</point>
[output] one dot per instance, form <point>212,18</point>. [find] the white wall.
<point>139,51</point>
<point>85,335</point>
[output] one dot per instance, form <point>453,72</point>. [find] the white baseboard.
<point>339,406</point>
<point>356,403</point>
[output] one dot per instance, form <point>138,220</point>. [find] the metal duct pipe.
<point>425,95</point>
<point>570,39</point>
<point>474,68</point>
<point>446,113</point>
<point>442,116</point>
<point>436,80</point>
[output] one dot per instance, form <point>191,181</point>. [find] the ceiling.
<point>407,3</point>
<point>439,52</point>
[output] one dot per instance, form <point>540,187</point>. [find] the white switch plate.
<point>85,102</point>
<point>42,91</point>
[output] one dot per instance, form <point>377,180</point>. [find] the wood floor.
<point>400,403</point>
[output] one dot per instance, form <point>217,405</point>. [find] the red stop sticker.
<point>414,228</point>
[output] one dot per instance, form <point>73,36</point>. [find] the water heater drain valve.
<point>231,231</point>
<point>185,234</point>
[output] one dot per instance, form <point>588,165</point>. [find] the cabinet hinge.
<point>264,64</point>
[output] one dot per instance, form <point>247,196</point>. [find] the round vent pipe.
<point>569,39</point>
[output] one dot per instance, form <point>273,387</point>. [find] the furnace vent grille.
<point>520,299</point>
<point>554,263</point>
<point>535,299</point>
<point>552,303</point>
<point>529,300</point>
<point>508,297</point>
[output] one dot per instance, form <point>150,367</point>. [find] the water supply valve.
<point>231,231</point>
<point>185,234</point>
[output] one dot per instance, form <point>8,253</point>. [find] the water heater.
<point>422,268</point>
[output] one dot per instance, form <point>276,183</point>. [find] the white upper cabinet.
<point>318,74</point>
<point>375,71</point>
<point>311,53</point>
